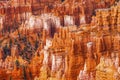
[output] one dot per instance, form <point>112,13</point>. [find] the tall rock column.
<point>90,58</point>
<point>99,19</point>
<point>14,52</point>
<point>105,19</point>
<point>1,23</point>
<point>113,18</point>
<point>118,19</point>
<point>74,59</point>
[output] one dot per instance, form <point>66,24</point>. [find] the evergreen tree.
<point>10,43</point>
<point>17,63</point>
<point>24,73</point>
<point>36,44</point>
<point>9,29</point>
<point>6,50</point>
<point>15,41</point>
<point>19,34</point>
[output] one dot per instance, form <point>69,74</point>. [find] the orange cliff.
<point>70,51</point>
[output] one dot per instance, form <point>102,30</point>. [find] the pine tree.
<point>36,44</point>
<point>19,34</point>
<point>17,63</point>
<point>24,73</point>
<point>10,43</point>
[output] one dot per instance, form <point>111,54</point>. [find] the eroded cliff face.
<point>76,12</point>
<point>62,43</point>
<point>88,50</point>
<point>15,12</point>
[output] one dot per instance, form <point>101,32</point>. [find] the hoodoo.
<point>59,40</point>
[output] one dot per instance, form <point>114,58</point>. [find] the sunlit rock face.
<point>62,42</point>
<point>68,20</point>
<point>108,66</point>
<point>30,22</point>
<point>1,22</point>
<point>58,63</point>
<point>82,20</point>
<point>49,22</point>
<point>46,53</point>
<point>15,13</point>
<point>85,8</point>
